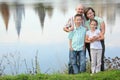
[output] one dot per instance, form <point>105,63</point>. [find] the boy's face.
<point>78,20</point>
<point>93,25</point>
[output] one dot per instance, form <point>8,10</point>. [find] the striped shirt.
<point>78,38</point>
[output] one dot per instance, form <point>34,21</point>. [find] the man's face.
<point>80,9</point>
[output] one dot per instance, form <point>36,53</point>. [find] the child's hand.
<point>71,49</point>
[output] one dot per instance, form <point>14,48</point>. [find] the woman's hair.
<point>94,21</point>
<point>86,11</point>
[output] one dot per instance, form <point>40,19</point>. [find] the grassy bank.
<point>106,75</point>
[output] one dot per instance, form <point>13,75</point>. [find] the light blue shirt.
<point>99,20</point>
<point>78,38</point>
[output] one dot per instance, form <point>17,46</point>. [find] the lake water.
<point>30,28</point>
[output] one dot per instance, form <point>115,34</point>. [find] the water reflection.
<point>40,9</point>
<point>108,10</point>
<point>19,12</point>
<point>49,10</point>
<point>4,8</point>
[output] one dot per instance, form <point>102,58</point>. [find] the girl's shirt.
<point>95,44</point>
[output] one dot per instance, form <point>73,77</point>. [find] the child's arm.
<point>70,44</point>
<point>101,36</point>
<point>87,39</point>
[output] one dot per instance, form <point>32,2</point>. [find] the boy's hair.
<point>94,21</point>
<point>78,15</point>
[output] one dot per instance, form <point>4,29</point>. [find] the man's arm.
<point>69,26</point>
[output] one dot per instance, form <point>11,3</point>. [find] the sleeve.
<point>70,35</point>
<point>98,31</point>
<point>87,25</point>
<point>87,33</point>
<point>100,20</point>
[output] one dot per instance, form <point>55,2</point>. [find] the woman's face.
<point>90,14</point>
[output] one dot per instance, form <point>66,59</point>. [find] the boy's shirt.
<point>78,38</point>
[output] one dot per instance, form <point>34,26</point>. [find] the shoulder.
<point>97,30</point>
<point>83,28</point>
<point>88,32</point>
<point>100,19</point>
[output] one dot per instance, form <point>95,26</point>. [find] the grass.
<point>106,75</point>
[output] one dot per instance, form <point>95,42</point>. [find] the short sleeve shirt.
<point>95,44</point>
<point>78,38</point>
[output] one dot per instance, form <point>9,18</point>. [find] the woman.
<point>90,14</point>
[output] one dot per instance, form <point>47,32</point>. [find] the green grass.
<point>106,75</point>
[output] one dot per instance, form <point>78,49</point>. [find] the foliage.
<point>112,63</point>
<point>13,62</point>
<point>106,75</point>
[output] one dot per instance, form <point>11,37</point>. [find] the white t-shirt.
<point>95,44</point>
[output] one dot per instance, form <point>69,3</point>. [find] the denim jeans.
<point>78,61</point>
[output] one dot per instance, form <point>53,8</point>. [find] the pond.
<point>35,28</point>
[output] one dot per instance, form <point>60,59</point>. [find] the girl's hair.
<point>94,21</point>
<point>86,11</point>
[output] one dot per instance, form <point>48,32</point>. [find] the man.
<point>70,25</point>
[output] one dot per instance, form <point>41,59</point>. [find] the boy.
<point>77,44</point>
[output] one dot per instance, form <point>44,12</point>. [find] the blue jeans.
<point>78,61</point>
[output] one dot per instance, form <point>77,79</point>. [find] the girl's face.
<point>90,14</point>
<point>93,25</point>
<point>78,20</point>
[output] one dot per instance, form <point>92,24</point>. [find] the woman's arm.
<point>102,25</point>
<point>87,39</point>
